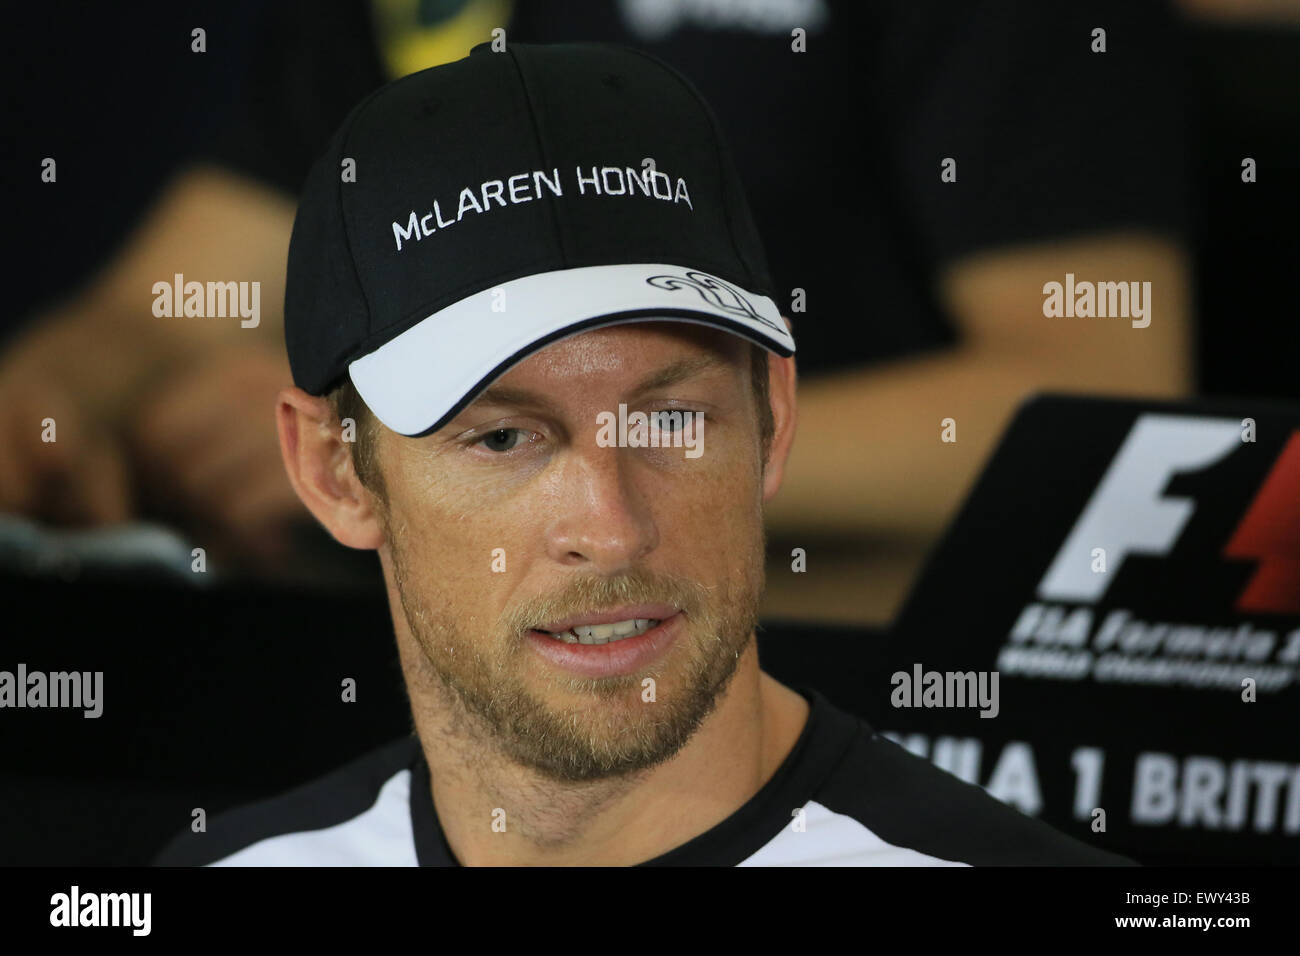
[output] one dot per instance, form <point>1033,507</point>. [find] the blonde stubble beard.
<point>476,685</point>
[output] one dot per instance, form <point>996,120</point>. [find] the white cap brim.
<point>420,379</point>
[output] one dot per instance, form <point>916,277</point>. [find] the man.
<point>528,284</point>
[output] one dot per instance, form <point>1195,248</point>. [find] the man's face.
<point>514,524</point>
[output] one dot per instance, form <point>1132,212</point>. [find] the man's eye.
<point>674,421</point>
<point>503,439</point>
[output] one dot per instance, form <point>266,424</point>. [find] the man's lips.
<point>612,658</point>
<point>631,612</point>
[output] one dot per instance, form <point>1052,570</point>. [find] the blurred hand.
<point>155,417</point>
<point>204,444</point>
<point>82,477</point>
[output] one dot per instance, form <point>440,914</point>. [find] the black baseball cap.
<point>467,215</point>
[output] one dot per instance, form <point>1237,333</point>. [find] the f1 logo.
<point>1127,514</point>
<point>1270,533</point>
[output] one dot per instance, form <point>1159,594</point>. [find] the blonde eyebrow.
<point>505,395</point>
<point>677,372</point>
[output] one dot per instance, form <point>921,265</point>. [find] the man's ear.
<point>319,464</point>
<point>781,380</point>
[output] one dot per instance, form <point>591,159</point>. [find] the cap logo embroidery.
<point>714,291</point>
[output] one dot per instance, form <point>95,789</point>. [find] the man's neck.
<point>496,812</point>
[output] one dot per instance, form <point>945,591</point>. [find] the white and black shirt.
<point>866,801</point>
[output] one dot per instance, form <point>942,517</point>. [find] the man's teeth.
<point>605,633</point>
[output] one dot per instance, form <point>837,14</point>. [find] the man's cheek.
<point>714,514</point>
<point>432,541</point>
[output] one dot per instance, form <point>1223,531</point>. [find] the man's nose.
<point>603,517</point>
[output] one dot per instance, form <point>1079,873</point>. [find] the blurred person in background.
<point>922,299</point>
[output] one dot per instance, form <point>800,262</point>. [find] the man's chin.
<point>588,743</point>
<point>580,729</point>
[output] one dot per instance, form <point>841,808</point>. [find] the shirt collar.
<point>821,745</point>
